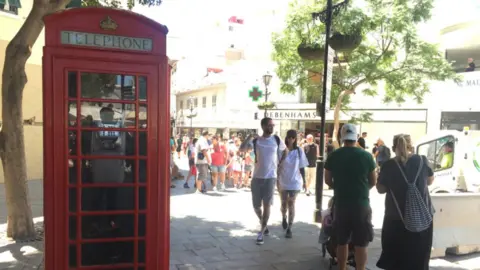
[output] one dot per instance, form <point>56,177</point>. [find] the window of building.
<point>440,152</point>
<point>10,6</point>
<point>214,101</point>
<point>181,105</point>
<point>463,59</point>
<point>195,103</point>
<point>460,120</point>
<point>204,102</point>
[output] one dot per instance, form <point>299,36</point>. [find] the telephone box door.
<point>107,189</point>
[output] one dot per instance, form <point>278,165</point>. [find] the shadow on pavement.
<point>201,244</point>
<point>23,255</point>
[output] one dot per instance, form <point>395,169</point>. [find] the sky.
<point>192,23</point>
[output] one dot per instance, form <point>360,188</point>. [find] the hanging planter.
<point>311,51</point>
<point>192,115</point>
<point>345,42</point>
<point>266,105</point>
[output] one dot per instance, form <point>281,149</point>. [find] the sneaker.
<point>186,185</point>
<point>289,233</point>
<point>214,189</point>
<point>222,188</point>
<point>260,239</point>
<point>266,232</point>
<point>284,223</point>
<point>198,191</point>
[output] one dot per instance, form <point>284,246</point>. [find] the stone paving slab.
<point>217,231</point>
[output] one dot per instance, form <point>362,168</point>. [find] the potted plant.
<point>266,105</point>
<point>345,42</point>
<point>311,51</point>
<point>192,115</point>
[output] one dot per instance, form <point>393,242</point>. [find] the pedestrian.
<point>312,150</point>
<point>361,140</point>
<point>237,164</point>
<point>191,153</point>
<point>268,149</point>
<point>179,145</point>
<point>406,242</point>
<point>290,180</point>
<point>247,167</point>
<point>351,172</point>
<point>219,159</point>
<point>203,160</point>
<point>383,152</point>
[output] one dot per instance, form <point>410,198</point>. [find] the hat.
<point>348,132</point>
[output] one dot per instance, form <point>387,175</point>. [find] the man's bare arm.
<point>372,179</point>
<point>328,178</point>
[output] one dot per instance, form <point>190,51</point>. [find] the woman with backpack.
<point>290,180</point>
<point>408,222</point>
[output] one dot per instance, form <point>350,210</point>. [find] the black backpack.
<point>388,153</point>
<point>277,139</point>
<point>108,143</point>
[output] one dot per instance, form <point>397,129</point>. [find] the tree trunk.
<point>12,145</point>
<point>336,116</point>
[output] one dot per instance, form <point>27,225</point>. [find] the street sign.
<point>255,93</point>
<point>331,55</point>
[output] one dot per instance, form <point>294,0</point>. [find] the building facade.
<point>12,16</point>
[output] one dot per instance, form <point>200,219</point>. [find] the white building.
<point>217,79</point>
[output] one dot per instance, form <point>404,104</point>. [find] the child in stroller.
<point>328,240</point>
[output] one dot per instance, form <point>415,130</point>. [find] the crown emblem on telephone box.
<point>108,24</point>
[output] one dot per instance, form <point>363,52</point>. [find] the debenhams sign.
<point>292,114</point>
<point>106,41</point>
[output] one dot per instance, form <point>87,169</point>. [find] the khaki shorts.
<point>262,191</point>
<point>202,172</point>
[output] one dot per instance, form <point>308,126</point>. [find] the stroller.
<point>328,239</point>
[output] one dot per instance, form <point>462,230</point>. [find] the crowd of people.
<point>289,165</point>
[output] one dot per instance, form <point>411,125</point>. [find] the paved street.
<point>217,231</point>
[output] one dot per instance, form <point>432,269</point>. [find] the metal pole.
<point>266,99</point>
<point>191,122</point>
<point>321,161</point>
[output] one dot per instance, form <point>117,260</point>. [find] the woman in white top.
<point>290,180</point>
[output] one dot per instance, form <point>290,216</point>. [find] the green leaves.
<point>361,118</point>
<point>391,51</point>
<point>118,3</point>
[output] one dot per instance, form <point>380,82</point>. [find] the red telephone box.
<point>106,141</point>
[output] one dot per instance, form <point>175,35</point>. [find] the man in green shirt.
<point>351,172</point>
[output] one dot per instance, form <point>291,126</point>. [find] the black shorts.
<point>353,224</point>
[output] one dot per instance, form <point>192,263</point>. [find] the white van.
<point>455,159</point>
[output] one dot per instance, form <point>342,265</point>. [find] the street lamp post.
<point>190,101</point>
<point>325,17</point>
<point>266,81</point>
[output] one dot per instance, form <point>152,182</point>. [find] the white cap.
<point>348,132</point>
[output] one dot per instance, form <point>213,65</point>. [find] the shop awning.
<point>14,3</point>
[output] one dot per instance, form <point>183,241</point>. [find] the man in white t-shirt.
<point>202,159</point>
<point>268,149</point>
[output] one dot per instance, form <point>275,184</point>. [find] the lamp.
<point>266,79</point>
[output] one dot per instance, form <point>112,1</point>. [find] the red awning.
<point>214,70</point>
<point>234,19</point>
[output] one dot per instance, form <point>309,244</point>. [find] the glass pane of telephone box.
<point>108,86</point>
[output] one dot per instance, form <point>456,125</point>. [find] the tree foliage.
<point>391,51</point>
